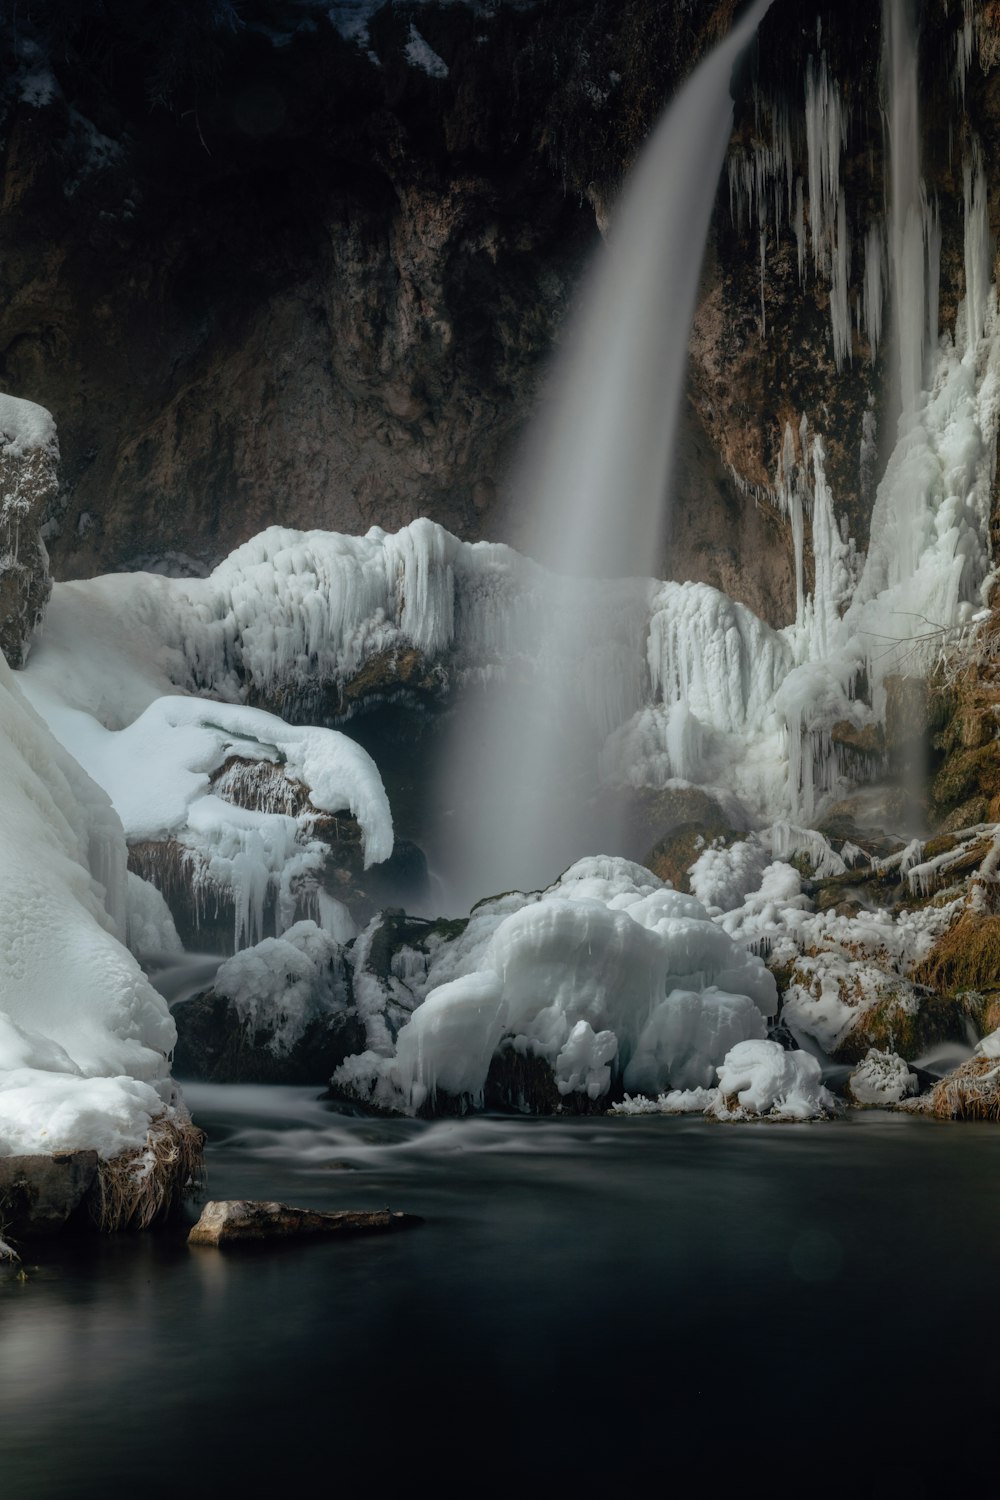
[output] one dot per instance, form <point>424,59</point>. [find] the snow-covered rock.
<point>29,484</point>
<point>609,974</point>
<point>761,1078</point>
<point>276,1013</point>
<point>881,1079</point>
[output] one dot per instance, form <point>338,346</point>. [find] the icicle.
<point>763,267</point>
<point>840,318</point>
<point>828,557</point>
<point>966,46</point>
<point>825,135</point>
<point>932,245</point>
<point>799,226</point>
<point>790,501</point>
<point>873,295</point>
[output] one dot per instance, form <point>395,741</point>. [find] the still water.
<point>657,1304</point>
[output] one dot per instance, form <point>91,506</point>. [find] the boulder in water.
<point>244,1220</point>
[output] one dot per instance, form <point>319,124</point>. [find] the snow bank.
<point>608,972</point>
<point>85,1039</point>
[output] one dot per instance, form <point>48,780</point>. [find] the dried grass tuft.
<point>971,1092</point>
<point>966,957</point>
<point>148,1184</point>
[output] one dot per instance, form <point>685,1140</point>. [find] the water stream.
<point>623,1302</point>
<point>593,479</point>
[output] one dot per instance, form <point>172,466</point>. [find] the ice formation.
<point>757,1079</point>
<point>283,984</point>
<point>608,972</point>
<point>84,1038</point>
<point>158,771</point>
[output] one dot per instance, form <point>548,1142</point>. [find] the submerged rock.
<point>242,1220</point>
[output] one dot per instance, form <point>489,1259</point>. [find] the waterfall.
<point>593,480</point>
<point>914,230</point>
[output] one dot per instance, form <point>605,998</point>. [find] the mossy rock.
<point>868,741</point>
<point>671,859</point>
<point>965,958</point>
<point>890,1026</point>
<point>967,776</point>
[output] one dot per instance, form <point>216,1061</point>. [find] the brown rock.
<point>244,1220</point>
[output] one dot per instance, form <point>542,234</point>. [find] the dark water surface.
<point>591,1305</point>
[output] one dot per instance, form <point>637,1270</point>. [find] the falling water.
<point>594,476</point>
<point>914,232</point>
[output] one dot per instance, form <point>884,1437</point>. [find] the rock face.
<point>243,1221</point>
<point>266,270</point>
<point>38,1194</point>
<point>29,486</point>
<point>313,283</point>
<point>214,1044</point>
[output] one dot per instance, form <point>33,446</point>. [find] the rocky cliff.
<point>289,263</point>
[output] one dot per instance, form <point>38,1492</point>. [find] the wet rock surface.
<point>214,1044</point>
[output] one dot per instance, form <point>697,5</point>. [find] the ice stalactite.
<point>799,229</point>
<point>966,46</point>
<point>764,190</point>
<point>789,492</point>
<point>761,177</point>
<point>873,295</point>
<point>840,316</point>
<point>832,558</point>
<point>763,269</point>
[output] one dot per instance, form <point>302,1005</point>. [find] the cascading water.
<point>594,476</point>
